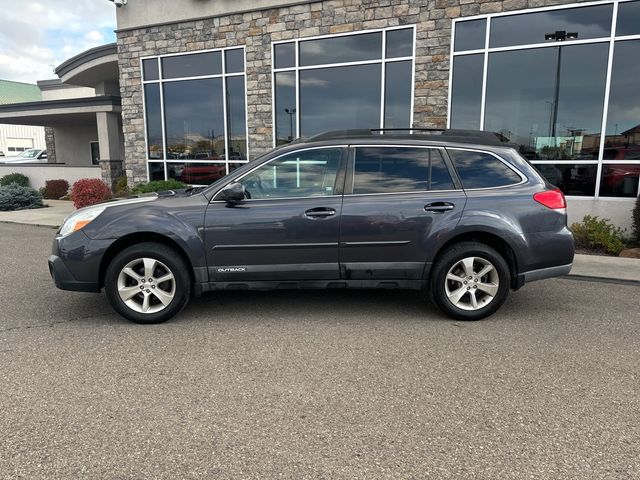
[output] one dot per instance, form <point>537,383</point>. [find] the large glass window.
<point>309,173</point>
<point>399,169</point>
<point>361,80</point>
<point>542,83</point>
<point>196,115</point>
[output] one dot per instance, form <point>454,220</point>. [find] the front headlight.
<point>80,219</point>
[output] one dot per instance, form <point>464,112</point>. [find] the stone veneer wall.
<point>50,142</point>
<point>256,30</point>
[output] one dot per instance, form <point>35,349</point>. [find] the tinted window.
<point>466,94</point>
<point>351,48</point>
<point>309,173</point>
<point>339,98</point>
<point>628,18</point>
<point>576,180</point>
<point>150,69</point>
<point>397,106</point>
<point>285,105</point>
<point>156,171</point>
<point>154,121</point>
<point>548,100</point>
<point>470,35</point>
<point>194,65</point>
<point>619,180</point>
<point>285,54</point>
<point>234,61</point>
<point>522,29</point>
<point>236,119</point>
<point>399,43</point>
<point>482,170</point>
<point>389,170</point>
<point>196,173</point>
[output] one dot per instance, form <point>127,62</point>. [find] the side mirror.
<point>232,193</point>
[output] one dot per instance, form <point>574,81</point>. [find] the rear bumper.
<point>542,273</point>
<point>64,280</point>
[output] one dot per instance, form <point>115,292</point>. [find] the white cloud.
<point>37,35</point>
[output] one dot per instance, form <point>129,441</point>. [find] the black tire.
<point>452,257</point>
<point>180,288</point>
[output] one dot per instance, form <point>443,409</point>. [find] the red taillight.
<point>553,199</point>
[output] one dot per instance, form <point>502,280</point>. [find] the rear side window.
<point>399,169</point>
<point>482,170</point>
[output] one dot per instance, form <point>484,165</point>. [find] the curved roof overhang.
<point>91,67</point>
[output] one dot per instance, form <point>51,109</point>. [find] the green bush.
<point>158,186</point>
<point>18,197</point>
<point>598,234</point>
<point>636,222</point>
<point>18,178</point>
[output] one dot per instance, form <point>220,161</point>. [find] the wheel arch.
<point>498,243</point>
<point>140,237</point>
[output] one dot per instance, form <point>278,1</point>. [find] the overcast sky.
<point>36,35</point>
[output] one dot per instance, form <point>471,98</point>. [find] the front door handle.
<point>439,207</point>
<point>320,212</point>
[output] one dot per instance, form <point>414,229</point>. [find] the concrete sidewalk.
<point>52,216</point>
<point>588,267</point>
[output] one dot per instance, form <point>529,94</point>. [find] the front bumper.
<point>64,280</point>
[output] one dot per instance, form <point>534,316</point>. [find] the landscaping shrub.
<point>121,187</point>
<point>158,186</point>
<point>18,178</point>
<point>89,191</point>
<point>636,222</point>
<point>54,189</point>
<point>598,234</point>
<point>19,197</point>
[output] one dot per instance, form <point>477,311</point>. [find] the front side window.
<point>482,170</point>
<point>399,169</point>
<point>343,82</point>
<point>195,115</point>
<point>309,173</point>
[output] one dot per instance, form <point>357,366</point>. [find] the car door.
<point>398,199</point>
<point>287,228</point>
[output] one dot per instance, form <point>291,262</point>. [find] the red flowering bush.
<point>54,189</point>
<point>89,191</point>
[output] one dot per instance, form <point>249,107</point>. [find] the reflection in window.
<point>308,173</point>
<point>150,69</point>
<point>399,43</point>
<point>623,120</point>
<point>154,121</point>
<point>397,104</point>
<point>234,60</point>
<point>236,119</point>
<point>577,180</point>
<point>285,107</point>
<point>285,55</point>
<point>339,98</point>
<point>530,28</point>
<point>548,100</point>
<point>467,91</point>
<point>620,181</point>
<point>628,18</point>
<point>194,119</point>
<point>470,35</point>
<point>396,170</point>
<point>482,170</point>
<point>348,48</point>
<point>192,65</point>
<point>196,173</point>
<point>156,171</point>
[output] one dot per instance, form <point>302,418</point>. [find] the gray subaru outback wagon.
<point>459,215</point>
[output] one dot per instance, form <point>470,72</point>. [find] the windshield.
<point>31,153</point>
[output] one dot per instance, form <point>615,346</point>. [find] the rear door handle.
<point>320,212</point>
<point>439,207</point>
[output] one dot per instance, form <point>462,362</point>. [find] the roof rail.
<point>468,136</point>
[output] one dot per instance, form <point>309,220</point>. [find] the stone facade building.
<point>569,151</point>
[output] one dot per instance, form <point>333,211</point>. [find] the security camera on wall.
<point>119,3</point>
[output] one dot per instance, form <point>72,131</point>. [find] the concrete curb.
<point>589,278</point>
<point>43,225</point>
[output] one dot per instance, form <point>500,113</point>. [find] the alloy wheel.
<point>472,283</point>
<point>146,285</point>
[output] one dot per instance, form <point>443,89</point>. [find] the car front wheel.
<point>470,281</point>
<point>148,283</point>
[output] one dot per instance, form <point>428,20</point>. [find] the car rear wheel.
<point>470,281</point>
<point>148,283</point>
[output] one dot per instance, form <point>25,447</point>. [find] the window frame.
<point>339,175</point>
<point>486,50</point>
<point>161,81</point>
<point>350,180</point>
<point>382,61</point>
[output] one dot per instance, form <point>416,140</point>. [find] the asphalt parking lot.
<point>317,385</point>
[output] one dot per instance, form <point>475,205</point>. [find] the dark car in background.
<point>459,215</point>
